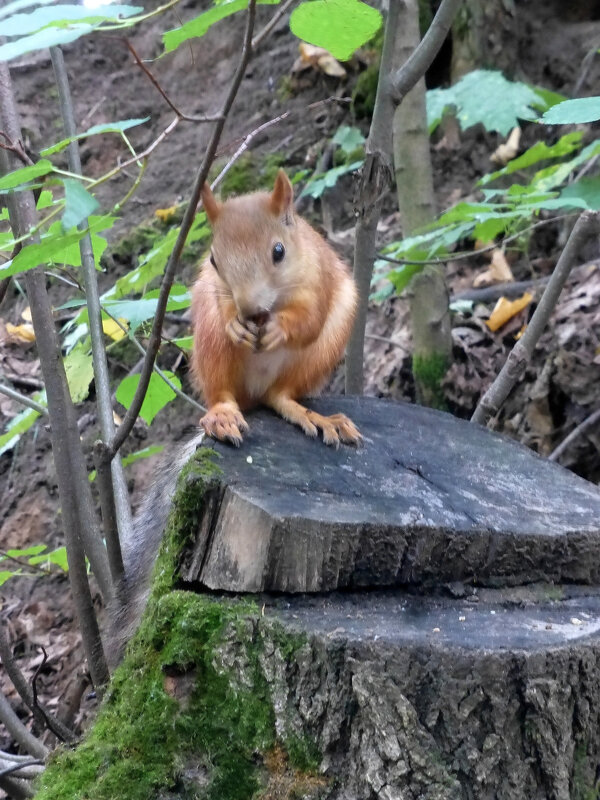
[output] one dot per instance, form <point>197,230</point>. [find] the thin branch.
<point>23,768</point>
<point>387,340</point>
<point>583,427</point>
<point>29,693</point>
<point>162,92</point>
<point>511,372</point>
<point>262,35</point>
<point>18,731</point>
<point>464,254</point>
<point>244,146</point>
<point>78,517</point>
<point>417,65</point>
<point>116,511</point>
<point>167,282</point>
<point>21,398</point>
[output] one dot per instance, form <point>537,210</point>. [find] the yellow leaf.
<point>26,315</point>
<point>22,333</point>
<point>113,329</point>
<point>165,214</point>
<point>506,309</point>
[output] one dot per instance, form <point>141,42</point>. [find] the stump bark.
<point>424,621</point>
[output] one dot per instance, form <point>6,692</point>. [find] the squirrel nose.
<point>259,319</point>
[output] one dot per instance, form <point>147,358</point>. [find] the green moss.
<point>176,699</point>
<point>428,372</point>
<point>583,788</point>
<point>304,753</point>
<point>250,174</point>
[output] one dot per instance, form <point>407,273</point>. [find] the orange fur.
<point>265,332</point>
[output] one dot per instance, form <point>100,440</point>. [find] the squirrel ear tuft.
<point>282,198</point>
<point>211,206</point>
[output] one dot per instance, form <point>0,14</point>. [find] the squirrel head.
<point>256,250</point>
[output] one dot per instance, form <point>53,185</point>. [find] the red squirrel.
<point>272,310</point>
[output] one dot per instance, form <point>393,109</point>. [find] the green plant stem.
<point>489,405</point>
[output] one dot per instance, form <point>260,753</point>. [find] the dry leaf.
<point>499,271</point>
<point>506,310</point>
<point>21,333</point>
<point>507,151</point>
<point>26,315</point>
<point>319,58</point>
<point>165,214</point>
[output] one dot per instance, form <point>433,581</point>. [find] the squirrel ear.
<point>282,198</point>
<point>211,206</point>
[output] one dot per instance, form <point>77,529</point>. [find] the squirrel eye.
<point>213,262</point>
<point>278,252</point>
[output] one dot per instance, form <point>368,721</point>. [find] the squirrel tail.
<point>140,550</point>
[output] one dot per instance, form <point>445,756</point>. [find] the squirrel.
<point>272,310</point>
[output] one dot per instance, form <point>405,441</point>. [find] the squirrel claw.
<point>336,428</point>
<point>273,336</point>
<point>225,423</point>
<point>241,335</point>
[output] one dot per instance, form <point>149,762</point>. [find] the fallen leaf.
<point>319,58</point>
<point>165,214</point>
<point>508,150</point>
<point>498,271</point>
<point>506,309</point>
<point>21,333</point>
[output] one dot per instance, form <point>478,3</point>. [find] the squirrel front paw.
<point>241,335</point>
<point>272,335</point>
<point>225,422</point>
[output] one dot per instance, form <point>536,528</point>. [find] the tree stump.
<point>423,622</point>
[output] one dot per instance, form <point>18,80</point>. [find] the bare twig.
<point>162,92</point>
<point>417,65</point>
<point>583,427</point>
<point>21,398</point>
<point>9,767</point>
<point>116,511</point>
<point>387,340</point>
<point>266,31</point>
<point>521,353</point>
<point>79,522</point>
<point>18,731</point>
<point>155,335</point>
<point>29,693</point>
<point>244,146</point>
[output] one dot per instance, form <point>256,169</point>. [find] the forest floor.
<point>562,384</point>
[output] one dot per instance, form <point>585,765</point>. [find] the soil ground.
<point>562,385</point>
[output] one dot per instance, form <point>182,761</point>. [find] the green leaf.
<point>571,112</point>
<point>34,550</point>
<point>402,276</point>
<point>57,557</point>
<point>485,96</point>
<point>80,373</point>
<point>586,189</point>
<point>54,25</point>
<point>348,138</point>
<point>317,185</point>
<point>79,204</point>
<point>57,247</point>
<point>340,26</point>
<point>45,200</point>
<point>200,24</point>
<point>185,342</point>
<point>6,574</point>
<point>151,265</point>
<point>109,127</point>
<point>179,297</point>
<point>538,152</point>
<point>145,452</point>
<point>157,396</point>
<point>18,5</point>
<point>548,178</point>
<point>26,174</point>
<point>138,311</point>
<point>19,424</point>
